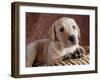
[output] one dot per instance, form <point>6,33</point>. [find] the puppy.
<point>63,41</point>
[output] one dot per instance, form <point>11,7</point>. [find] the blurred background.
<point>38,24</point>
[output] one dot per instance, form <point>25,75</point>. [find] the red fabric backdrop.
<point>38,24</point>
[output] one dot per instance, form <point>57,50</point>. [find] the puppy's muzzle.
<point>72,39</point>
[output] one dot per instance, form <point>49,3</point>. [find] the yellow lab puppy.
<point>63,40</point>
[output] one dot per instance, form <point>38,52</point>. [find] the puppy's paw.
<point>78,53</point>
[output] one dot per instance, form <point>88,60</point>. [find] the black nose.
<point>72,38</point>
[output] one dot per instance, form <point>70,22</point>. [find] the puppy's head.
<point>65,32</point>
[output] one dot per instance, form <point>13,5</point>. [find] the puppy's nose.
<point>72,38</point>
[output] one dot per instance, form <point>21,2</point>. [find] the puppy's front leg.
<point>31,52</point>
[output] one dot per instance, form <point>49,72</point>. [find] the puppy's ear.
<point>52,33</point>
<point>79,34</point>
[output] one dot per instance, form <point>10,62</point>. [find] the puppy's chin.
<point>65,45</point>
<point>73,43</point>
<point>69,44</point>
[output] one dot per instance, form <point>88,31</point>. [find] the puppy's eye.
<point>73,27</point>
<point>61,29</point>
